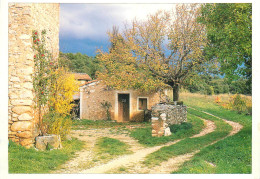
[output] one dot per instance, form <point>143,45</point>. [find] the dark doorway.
<point>75,112</point>
<point>123,107</point>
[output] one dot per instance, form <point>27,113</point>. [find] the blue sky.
<point>83,27</point>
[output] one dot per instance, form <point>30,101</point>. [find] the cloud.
<point>92,21</point>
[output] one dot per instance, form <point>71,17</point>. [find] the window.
<point>142,103</point>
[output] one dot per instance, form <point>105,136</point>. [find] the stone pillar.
<point>23,19</point>
<point>157,127</point>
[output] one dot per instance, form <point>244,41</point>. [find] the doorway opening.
<point>123,107</point>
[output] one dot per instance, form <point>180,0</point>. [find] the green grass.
<point>91,124</point>
<point>231,155</point>
<point>144,135</point>
<point>109,148</point>
<point>22,160</point>
<point>190,144</point>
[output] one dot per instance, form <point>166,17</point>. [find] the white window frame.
<point>138,103</point>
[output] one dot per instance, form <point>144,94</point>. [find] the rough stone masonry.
<point>23,19</point>
<point>164,115</point>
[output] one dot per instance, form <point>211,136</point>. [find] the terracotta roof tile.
<point>82,76</point>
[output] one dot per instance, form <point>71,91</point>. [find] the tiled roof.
<point>90,82</point>
<point>82,76</point>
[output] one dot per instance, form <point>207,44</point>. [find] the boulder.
<point>52,141</point>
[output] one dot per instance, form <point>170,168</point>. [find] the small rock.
<point>167,132</point>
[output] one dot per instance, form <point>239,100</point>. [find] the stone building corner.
<point>23,18</point>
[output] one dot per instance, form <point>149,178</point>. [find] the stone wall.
<point>94,93</point>
<point>164,115</point>
<point>23,19</point>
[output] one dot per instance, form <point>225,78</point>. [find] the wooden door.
<point>123,107</point>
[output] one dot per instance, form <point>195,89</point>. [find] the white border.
<point>4,93</point>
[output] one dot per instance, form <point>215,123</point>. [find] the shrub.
<point>217,99</point>
<point>54,89</point>
<point>178,127</point>
<point>58,124</point>
<point>239,104</point>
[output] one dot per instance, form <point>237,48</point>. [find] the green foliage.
<point>239,104</point>
<point>80,63</point>
<point>177,127</point>
<point>209,84</point>
<point>188,145</point>
<point>22,160</point>
<point>144,135</point>
<point>239,87</point>
<point>54,89</point>
<point>43,62</point>
<point>231,155</point>
<point>58,124</point>
<point>229,30</point>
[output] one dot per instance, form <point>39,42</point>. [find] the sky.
<point>84,27</point>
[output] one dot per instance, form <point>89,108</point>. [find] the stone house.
<point>126,105</point>
<point>23,18</point>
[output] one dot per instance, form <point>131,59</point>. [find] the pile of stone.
<point>164,115</point>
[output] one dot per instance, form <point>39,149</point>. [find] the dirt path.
<point>210,127</point>
<point>174,163</point>
<point>236,127</point>
<point>84,158</point>
<point>83,163</point>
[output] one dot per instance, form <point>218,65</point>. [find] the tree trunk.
<point>175,90</point>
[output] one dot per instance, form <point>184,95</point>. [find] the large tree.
<point>158,52</point>
<point>229,31</point>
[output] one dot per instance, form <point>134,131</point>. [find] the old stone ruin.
<point>164,115</point>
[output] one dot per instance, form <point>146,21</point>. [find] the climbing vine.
<point>41,76</point>
<point>54,88</point>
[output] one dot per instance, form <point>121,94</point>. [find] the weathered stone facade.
<point>164,115</point>
<point>23,19</point>
<point>93,94</point>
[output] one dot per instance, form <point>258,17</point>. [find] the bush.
<point>54,89</point>
<point>239,104</point>
<point>178,127</point>
<point>58,124</point>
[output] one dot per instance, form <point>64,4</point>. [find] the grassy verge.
<point>22,160</point>
<point>144,135</point>
<point>109,148</point>
<point>190,144</point>
<point>91,124</point>
<point>231,155</point>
